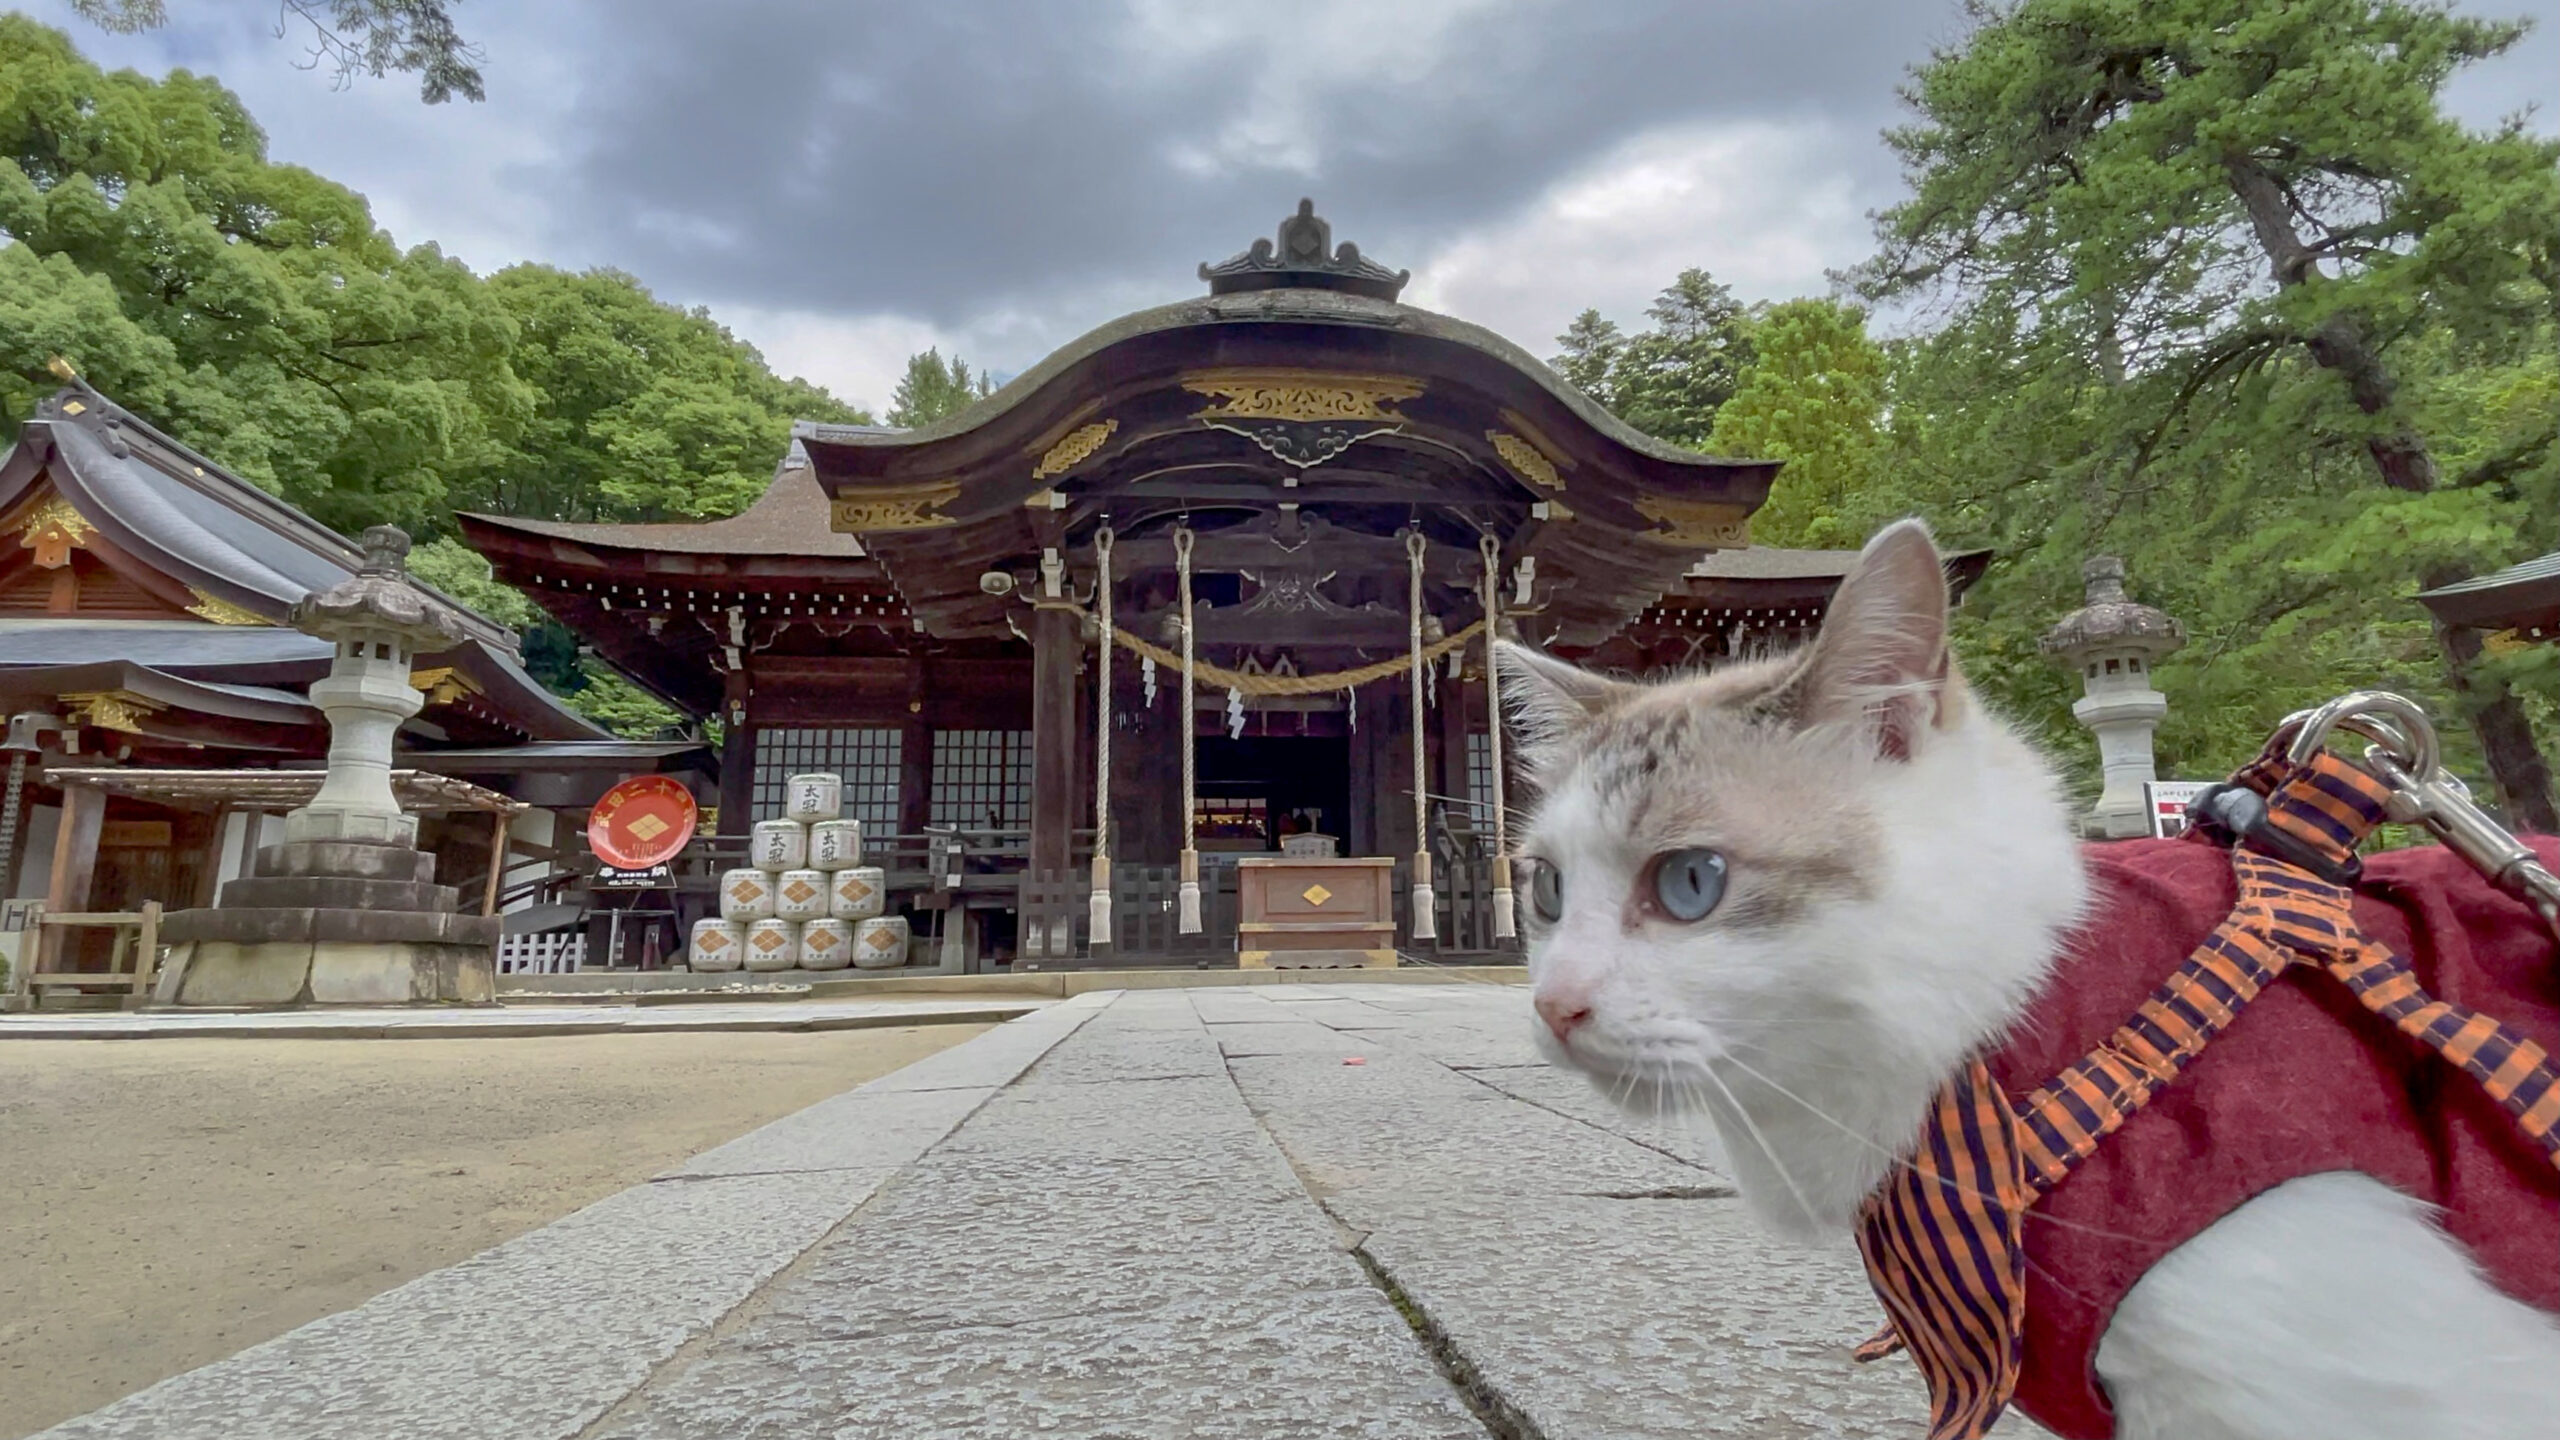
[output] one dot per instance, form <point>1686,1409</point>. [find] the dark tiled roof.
<point>2524,594</point>
<point>179,513</point>
<point>2546,567</point>
<point>1769,562</point>
<point>181,647</point>
<point>790,518</point>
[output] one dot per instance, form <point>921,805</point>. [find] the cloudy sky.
<point>846,183</point>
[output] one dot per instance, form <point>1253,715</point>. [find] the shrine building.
<point>923,611</point>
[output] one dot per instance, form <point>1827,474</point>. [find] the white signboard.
<point>2167,802</point>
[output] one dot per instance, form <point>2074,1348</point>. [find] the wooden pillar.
<point>1054,644</point>
<point>75,864</point>
<point>498,824</point>
<point>915,754</point>
<point>1148,792</point>
<point>217,848</point>
<point>737,759</point>
<point>1373,741</point>
<point>1449,730</point>
<point>1392,793</point>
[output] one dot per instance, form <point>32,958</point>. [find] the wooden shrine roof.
<point>417,790</point>
<point>185,568</point>
<point>1364,412</point>
<point>2524,598</point>
<point>788,519</point>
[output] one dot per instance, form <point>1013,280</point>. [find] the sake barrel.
<point>826,944</point>
<point>808,798</point>
<point>835,844</point>
<point>800,894</point>
<point>773,945</point>
<point>717,945</point>
<point>880,943</point>
<point>746,895</point>
<point>858,893</point>
<point>778,845</point>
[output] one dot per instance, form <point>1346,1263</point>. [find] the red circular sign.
<point>641,822</point>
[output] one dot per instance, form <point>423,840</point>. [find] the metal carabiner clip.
<point>2407,757</point>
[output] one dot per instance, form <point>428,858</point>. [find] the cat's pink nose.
<point>1563,1013</point>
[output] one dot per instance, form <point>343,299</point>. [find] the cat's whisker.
<point>1767,1151</point>
<point>2036,1214</point>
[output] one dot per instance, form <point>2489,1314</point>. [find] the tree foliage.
<point>369,37</point>
<point>1668,380</point>
<point>255,310</point>
<point>1813,396</point>
<point>642,411</point>
<point>2266,267</point>
<point>933,388</point>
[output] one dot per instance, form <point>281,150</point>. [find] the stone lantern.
<point>347,910</point>
<point>2113,643</point>
<point>378,621</point>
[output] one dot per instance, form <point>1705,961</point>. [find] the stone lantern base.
<point>334,922</point>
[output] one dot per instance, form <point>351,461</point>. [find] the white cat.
<point>1799,893</point>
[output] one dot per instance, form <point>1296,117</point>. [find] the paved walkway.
<point>1171,1213</point>
<point>462,1022</point>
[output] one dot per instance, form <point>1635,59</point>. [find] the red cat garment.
<point>2304,1081</point>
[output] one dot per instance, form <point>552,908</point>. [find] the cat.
<point>1800,892</point>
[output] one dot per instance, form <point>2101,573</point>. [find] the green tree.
<point>642,411</point>
<point>250,307</point>
<point>1671,379</point>
<point>2256,226</point>
<point>369,37</point>
<point>1668,380</point>
<point>1591,347</point>
<point>933,388</point>
<point>1813,396</point>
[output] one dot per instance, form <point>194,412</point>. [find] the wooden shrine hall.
<point>1331,484</point>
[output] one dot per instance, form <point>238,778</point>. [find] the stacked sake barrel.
<point>805,900</point>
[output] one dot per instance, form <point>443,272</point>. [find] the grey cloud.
<point>943,160</point>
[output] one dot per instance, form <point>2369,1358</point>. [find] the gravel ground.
<point>166,1203</point>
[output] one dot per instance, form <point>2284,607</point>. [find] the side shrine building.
<point>1339,483</point>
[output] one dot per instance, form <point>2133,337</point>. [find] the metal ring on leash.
<point>2392,720</point>
<point>2407,756</point>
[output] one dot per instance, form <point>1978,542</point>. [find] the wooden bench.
<point>137,940</point>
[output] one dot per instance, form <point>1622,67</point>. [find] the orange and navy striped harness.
<point>1943,1236</point>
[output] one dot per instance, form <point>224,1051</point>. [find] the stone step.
<point>347,859</point>
<point>336,892</point>
<point>279,923</point>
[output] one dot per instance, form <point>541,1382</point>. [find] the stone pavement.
<point>1166,1213</point>
<point>357,1022</point>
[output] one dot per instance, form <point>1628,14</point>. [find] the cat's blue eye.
<point>1689,883</point>
<point>1546,891</point>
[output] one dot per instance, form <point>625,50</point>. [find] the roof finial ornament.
<point>386,550</point>
<point>1305,257</point>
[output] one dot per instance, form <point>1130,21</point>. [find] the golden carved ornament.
<point>109,709</point>
<point>1299,394</point>
<point>443,685</point>
<point>910,507</point>
<point>1696,522</point>
<point>223,612</point>
<point>1074,450</point>
<point>2505,642</point>
<point>53,530</point>
<point>1525,460</point>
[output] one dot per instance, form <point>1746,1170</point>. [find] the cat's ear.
<point>1550,701</point>
<point>1881,659</point>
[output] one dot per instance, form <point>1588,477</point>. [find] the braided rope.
<point>1252,684</point>
<point>1099,907</point>
<point>1423,900</point>
<point>1505,918</point>
<point>1188,896</point>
